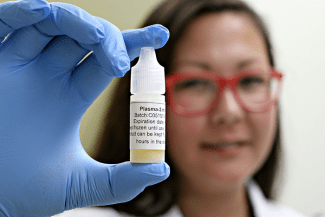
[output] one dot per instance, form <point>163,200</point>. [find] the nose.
<point>227,112</point>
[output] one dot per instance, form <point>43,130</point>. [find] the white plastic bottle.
<point>147,109</point>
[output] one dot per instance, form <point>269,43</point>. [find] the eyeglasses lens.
<point>195,94</point>
<point>257,90</point>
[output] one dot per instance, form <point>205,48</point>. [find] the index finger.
<point>92,33</point>
<point>17,14</point>
<point>70,20</point>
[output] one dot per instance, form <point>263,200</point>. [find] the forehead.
<point>219,38</point>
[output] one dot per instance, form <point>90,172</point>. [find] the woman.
<point>224,157</point>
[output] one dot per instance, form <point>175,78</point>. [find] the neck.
<point>207,203</point>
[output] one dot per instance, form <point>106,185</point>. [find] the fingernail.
<point>161,35</point>
<point>167,168</point>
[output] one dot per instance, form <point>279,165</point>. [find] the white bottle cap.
<point>147,76</point>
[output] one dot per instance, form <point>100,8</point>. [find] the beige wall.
<point>125,14</point>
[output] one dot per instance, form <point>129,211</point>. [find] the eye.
<point>193,83</point>
<point>252,81</point>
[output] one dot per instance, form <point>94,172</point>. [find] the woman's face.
<point>222,43</point>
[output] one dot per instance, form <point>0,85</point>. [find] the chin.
<point>222,179</point>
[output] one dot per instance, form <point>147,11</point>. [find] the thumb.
<point>130,179</point>
<point>151,36</point>
<point>99,184</point>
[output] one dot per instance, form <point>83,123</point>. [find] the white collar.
<point>262,207</point>
<point>267,208</point>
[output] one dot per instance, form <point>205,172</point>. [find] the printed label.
<point>147,125</point>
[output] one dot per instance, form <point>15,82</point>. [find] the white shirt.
<point>262,207</point>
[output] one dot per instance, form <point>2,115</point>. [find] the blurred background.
<point>297,30</point>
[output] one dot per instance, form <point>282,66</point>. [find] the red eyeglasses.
<point>193,94</point>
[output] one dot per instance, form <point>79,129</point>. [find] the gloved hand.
<point>44,169</point>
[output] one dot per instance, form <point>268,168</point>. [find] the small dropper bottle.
<point>147,109</point>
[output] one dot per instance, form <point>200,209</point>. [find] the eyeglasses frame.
<point>230,81</point>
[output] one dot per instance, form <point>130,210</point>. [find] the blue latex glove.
<point>44,169</point>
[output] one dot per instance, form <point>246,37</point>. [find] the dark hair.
<point>114,144</point>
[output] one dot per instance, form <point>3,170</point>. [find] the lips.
<point>223,148</point>
<point>218,145</point>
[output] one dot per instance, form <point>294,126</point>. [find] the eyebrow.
<point>206,66</point>
<point>245,63</point>
<point>196,63</point>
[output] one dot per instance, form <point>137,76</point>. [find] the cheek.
<point>179,128</point>
<point>182,136</point>
<point>264,129</point>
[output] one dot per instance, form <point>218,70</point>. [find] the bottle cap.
<point>147,76</point>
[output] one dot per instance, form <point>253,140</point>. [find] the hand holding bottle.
<point>44,92</point>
